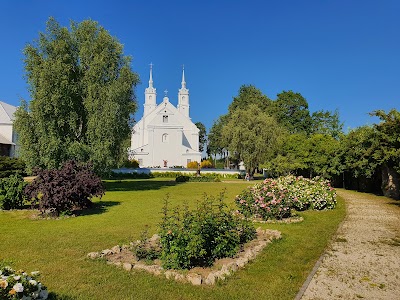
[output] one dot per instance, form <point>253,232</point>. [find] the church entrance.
<point>165,163</point>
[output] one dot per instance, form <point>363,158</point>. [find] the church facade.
<point>165,136</point>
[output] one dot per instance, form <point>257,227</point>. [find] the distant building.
<point>8,137</point>
<point>165,136</point>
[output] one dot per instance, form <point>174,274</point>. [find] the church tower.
<point>150,95</point>
<point>183,97</point>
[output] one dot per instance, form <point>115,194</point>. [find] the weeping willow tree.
<point>82,97</point>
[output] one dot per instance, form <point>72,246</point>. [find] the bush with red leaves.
<point>60,191</point>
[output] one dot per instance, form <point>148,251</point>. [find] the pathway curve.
<point>363,261</point>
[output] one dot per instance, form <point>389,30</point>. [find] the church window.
<point>165,119</point>
<point>140,162</point>
<point>165,138</point>
<point>189,161</point>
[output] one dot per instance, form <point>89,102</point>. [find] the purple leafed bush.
<point>71,187</point>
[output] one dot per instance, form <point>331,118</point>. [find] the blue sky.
<point>341,55</point>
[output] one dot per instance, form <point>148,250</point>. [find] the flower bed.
<point>20,285</point>
<point>279,198</point>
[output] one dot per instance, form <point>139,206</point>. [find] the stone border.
<point>283,221</point>
<point>209,276</point>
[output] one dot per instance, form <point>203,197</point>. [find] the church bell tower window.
<point>165,119</point>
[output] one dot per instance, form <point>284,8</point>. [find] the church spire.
<point>150,95</point>
<point>183,77</point>
<point>151,76</point>
<point>183,96</point>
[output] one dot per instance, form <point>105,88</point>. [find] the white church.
<point>165,136</point>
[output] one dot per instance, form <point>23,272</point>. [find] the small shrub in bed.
<point>191,238</point>
<point>62,190</point>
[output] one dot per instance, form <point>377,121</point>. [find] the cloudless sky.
<point>339,54</point>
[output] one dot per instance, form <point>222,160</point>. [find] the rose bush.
<point>277,198</point>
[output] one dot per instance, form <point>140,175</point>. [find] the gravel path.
<point>363,261</point>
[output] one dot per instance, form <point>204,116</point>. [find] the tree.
<point>357,149</point>
<point>252,134</point>
<point>202,135</point>
<point>290,157</point>
<point>387,151</point>
<point>248,95</point>
<point>325,122</point>
<point>291,110</point>
<point>82,97</point>
<point>216,143</point>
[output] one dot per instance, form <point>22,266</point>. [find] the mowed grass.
<point>58,248</point>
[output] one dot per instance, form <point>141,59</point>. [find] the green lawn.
<point>58,248</point>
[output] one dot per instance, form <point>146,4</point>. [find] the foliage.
<point>250,95</point>
<point>20,285</point>
<point>182,178</point>
<point>253,135</point>
<point>356,152</point>
<point>72,186</point>
<point>131,163</point>
<point>11,165</point>
<point>325,122</point>
<point>275,198</point>
<point>202,135</point>
<point>206,164</point>
<point>82,91</point>
<point>291,111</point>
<point>192,165</point>
<point>145,249</point>
<point>12,192</point>
<point>216,143</point>
<point>197,237</point>
<point>133,175</point>
<point>387,144</point>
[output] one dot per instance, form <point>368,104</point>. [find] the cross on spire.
<point>166,93</point>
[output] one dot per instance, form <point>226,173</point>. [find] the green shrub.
<point>132,163</point>
<point>12,192</point>
<point>145,248</point>
<point>182,178</point>
<point>191,238</point>
<point>132,175</point>
<point>11,165</point>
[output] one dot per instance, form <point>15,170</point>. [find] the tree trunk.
<point>390,182</point>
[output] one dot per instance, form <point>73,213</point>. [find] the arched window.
<point>165,138</point>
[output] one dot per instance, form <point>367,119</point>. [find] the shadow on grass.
<point>138,185</point>
<point>54,296</point>
<point>98,208</point>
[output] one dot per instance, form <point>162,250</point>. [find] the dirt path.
<point>363,261</point>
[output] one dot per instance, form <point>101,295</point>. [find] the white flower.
<point>18,287</point>
<point>17,278</point>
<point>33,282</point>
<point>35,273</point>
<point>44,294</point>
<point>35,294</point>
<point>3,284</point>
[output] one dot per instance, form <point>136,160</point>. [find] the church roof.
<point>7,113</point>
